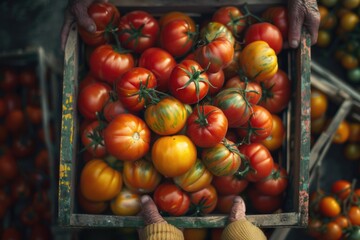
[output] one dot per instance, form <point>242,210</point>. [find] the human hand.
<point>238,210</point>
<point>77,11</point>
<point>303,13</point>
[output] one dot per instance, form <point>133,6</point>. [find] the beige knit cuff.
<point>162,231</point>
<point>244,230</point>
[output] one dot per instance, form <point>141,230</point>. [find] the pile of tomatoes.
<point>186,110</point>
<point>25,206</point>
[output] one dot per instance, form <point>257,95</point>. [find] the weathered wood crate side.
<point>298,150</point>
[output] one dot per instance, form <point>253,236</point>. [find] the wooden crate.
<point>297,118</point>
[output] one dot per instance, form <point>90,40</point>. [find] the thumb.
<point>238,210</point>
<point>80,11</point>
<point>150,212</point>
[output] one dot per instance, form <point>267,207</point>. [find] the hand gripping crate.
<point>297,118</point>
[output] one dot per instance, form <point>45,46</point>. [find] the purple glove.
<point>303,12</point>
<point>77,11</point>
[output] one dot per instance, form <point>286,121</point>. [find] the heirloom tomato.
<point>258,61</point>
<point>214,30</point>
<point>171,199</point>
<point>159,62</point>
<point>263,203</point>
<point>138,31</point>
<point>275,184</point>
<point>278,15</point>
<point>173,155</point>
<point>106,17</point>
<point>232,18</point>
<point>216,82</point>
<point>276,92</point>
<point>189,82</point>
<point>234,105</point>
<point>166,117</point>
<point>99,181</point>
<point>223,159</point>
<point>252,90</point>
<point>195,179</point>
<point>87,80</point>
<point>133,88</point>
<point>92,99</point>
<point>233,68</point>
<point>108,63</point>
<point>127,137</point>
<point>141,176</point>
<point>126,203</point>
<point>229,185</point>
<point>277,135</point>
<point>93,140</point>
<point>113,108</point>
<point>207,126</point>
<point>176,15</point>
<point>259,125</point>
<point>258,161</point>
<point>204,200</point>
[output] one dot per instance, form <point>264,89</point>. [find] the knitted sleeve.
<point>162,231</point>
<point>242,229</point>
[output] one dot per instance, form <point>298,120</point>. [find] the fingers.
<point>150,212</point>
<point>296,19</point>
<point>312,23</point>
<point>79,10</point>
<point>238,210</point>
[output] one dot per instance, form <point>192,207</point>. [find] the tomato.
<point>318,125</point>
<point>188,82</point>
<point>195,233</point>
<point>161,63</point>
<point>113,108</point>
<point>176,15</point>
<point>324,39</point>
<point>106,17</point>
<point>99,181</point>
<point>214,30</point>
<point>92,99</point>
<point>259,125</point>
<point>332,231</point>
<point>349,61</point>
<point>173,155</point>
<point>34,114</point>
<point>166,117</point>
<point>231,17</point>
<point>126,203</point>
<point>216,233</point>
<point>352,151</point>
<point>229,185</point>
<point>28,78</point>
<point>90,206</point>
<point>108,63</point>
<point>258,61</point>
<point>233,68</point>
<point>252,90</point>
<point>93,140</point>
<point>133,88</point>
<point>223,159</point>
<point>235,107</point>
<point>23,147</point>
<point>87,80</point>
<point>276,92</point>
<point>171,199</point>
<point>354,215</point>
<point>127,137</point>
<point>342,221</point>
<point>216,82</point>
<point>138,31</point>
<point>204,200</point>
<point>342,133</point>
<point>314,227</point>
<point>195,179</point>
<point>20,189</point>
<point>278,16</point>
<point>42,161</point>
<point>329,206</point>
<point>319,104</point>
<point>263,203</point>
<point>349,21</point>
<point>8,167</point>
<point>266,32</point>
<point>275,184</point>
<point>141,176</point>
<point>341,188</point>
<point>8,79</point>
<point>277,135</point>
<point>15,121</point>
<point>207,126</point>
<point>225,203</point>
<point>177,37</point>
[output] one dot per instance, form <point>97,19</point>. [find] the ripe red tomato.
<point>278,15</point>
<point>34,113</point>
<point>275,184</point>
<point>93,140</point>
<point>171,199</point>
<point>332,231</point>
<point>8,79</point>
<point>15,121</point>
<point>276,92</point>
<point>159,62</point>
<point>225,203</point>
<point>87,80</point>
<point>252,90</point>
<point>265,32</point>
<point>23,147</point>
<point>232,18</point>
<point>176,15</point>
<point>138,31</point>
<point>229,185</point>
<point>127,137</point>
<point>108,63</point>
<point>113,108</point>
<point>188,82</point>
<point>28,78</point>
<point>92,99</point>
<point>216,81</point>
<point>133,88</point>
<point>207,126</point>
<point>341,188</point>
<point>204,200</point>
<point>263,203</point>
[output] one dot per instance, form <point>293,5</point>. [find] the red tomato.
<point>20,189</point>
<point>171,199</point>
<point>216,81</point>
<point>277,135</point>
<point>189,82</point>
<point>92,99</point>
<point>107,63</point>
<point>263,203</point>
<point>275,184</point>
<point>161,63</point>
<point>204,200</point>
<point>276,92</point>
<point>127,137</point>
<point>106,17</point>
<point>225,203</point>
<point>258,159</point>
<point>93,140</point>
<point>28,78</point>
<point>259,125</point>
<point>229,185</point>
<point>113,108</point>
<point>329,206</point>
<point>133,88</point>
<point>341,188</point>
<point>8,79</point>
<point>354,215</point>
<point>278,15</point>
<point>265,32</point>
<point>252,90</point>
<point>34,114</point>
<point>23,147</point>
<point>87,80</point>
<point>15,121</point>
<point>207,126</point>
<point>138,31</point>
<point>8,167</point>
<point>42,161</point>
<point>232,18</point>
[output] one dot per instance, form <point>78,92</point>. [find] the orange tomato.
<point>354,132</point>
<point>341,188</point>
<point>342,221</point>
<point>324,38</point>
<point>319,104</point>
<point>126,203</point>
<point>329,207</point>
<point>195,233</point>
<point>348,21</point>
<point>90,206</point>
<point>332,231</point>
<point>354,215</point>
<point>277,135</point>
<point>349,61</point>
<point>342,133</point>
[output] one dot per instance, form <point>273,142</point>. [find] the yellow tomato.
<point>324,39</point>
<point>319,104</point>
<point>348,21</point>
<point>342,133</point>
<point>350,4</point>
<point>277,135</point>
<point>126,203</point>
